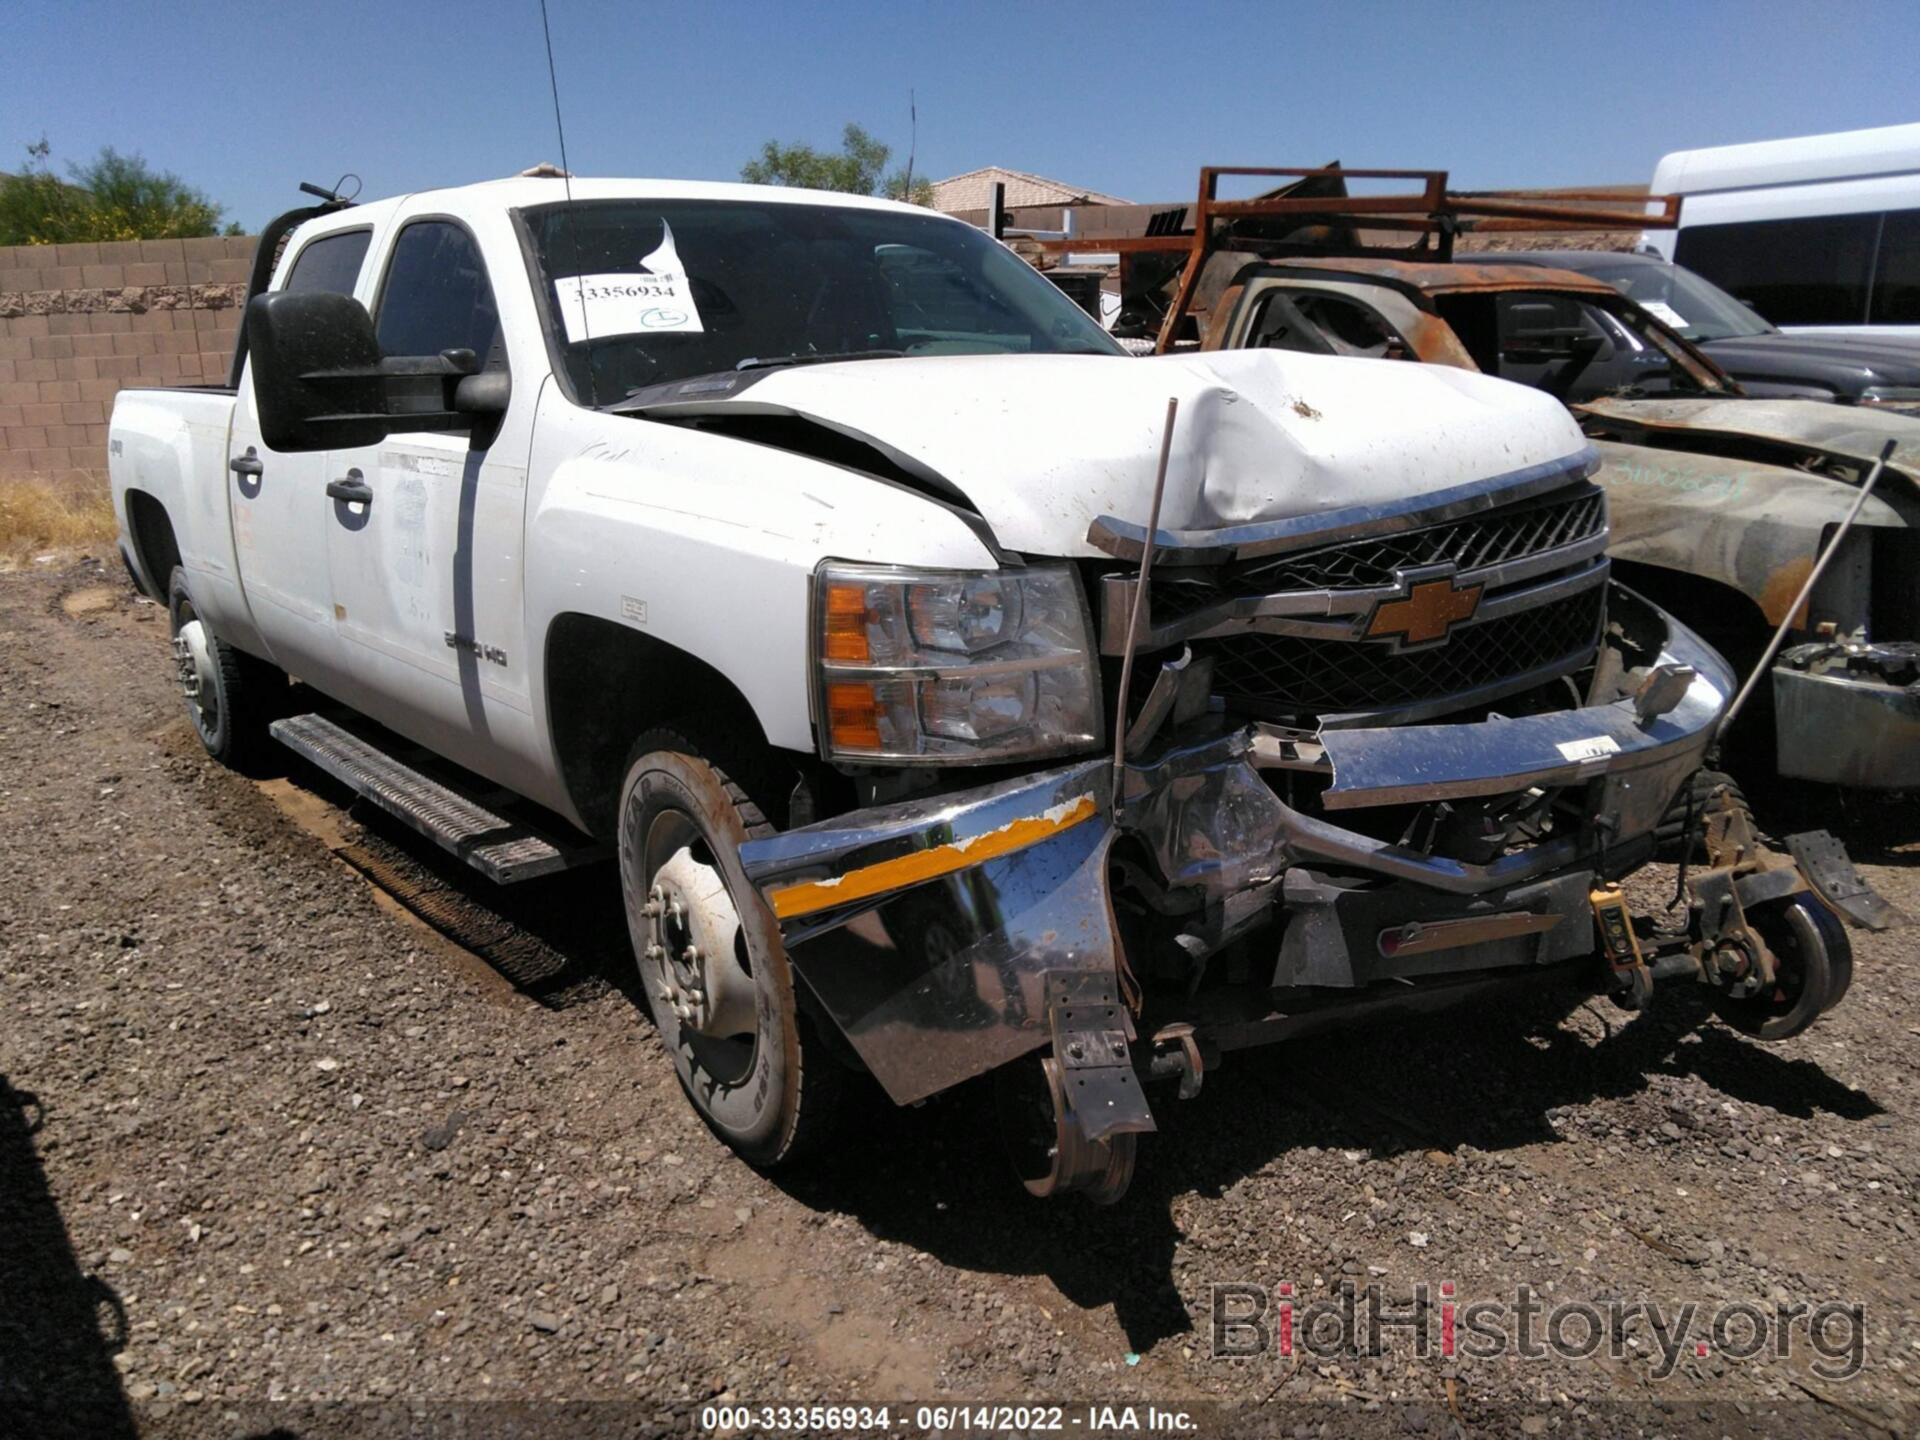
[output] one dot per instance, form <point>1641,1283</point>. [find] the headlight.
<point>953,666</point>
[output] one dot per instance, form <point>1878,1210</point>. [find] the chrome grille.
<point>1503,535</point>
<point>1294,675</point>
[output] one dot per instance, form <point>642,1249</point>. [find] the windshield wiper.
<point>811,357</point>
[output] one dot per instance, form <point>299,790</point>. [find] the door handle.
<point>247,464</point>
<point>353,489</point>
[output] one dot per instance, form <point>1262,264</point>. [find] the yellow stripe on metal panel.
<point>809,896</point>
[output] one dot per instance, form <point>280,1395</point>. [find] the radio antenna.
<point>573,237</point>
<point>913,144</point>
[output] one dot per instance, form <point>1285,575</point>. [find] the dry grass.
<point>40,515</point>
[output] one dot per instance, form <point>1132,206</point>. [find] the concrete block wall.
<point>78,323</point>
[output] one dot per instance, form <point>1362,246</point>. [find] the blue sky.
<point>244,100</point>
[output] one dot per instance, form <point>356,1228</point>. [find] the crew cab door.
<point>423,531</point>
<point>278,502</point>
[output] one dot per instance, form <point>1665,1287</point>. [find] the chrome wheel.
<point>709,957</point>
<point>196,666</point>
<point>231,697</point>
<point>199,683</point>
<point>696,962</point>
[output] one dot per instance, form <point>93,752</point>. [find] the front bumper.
<point>1841,720</point>
<point>927,929</point>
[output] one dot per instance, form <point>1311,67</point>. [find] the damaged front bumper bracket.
<point>930,929</point>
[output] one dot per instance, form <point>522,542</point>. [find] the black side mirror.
<point>321,383</point>
<point>484,394</point>
<point>316,371</point>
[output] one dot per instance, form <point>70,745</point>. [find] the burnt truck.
<point>1721,503</point>
<point>952,695</point>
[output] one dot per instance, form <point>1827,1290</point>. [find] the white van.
<point>1822,232</point>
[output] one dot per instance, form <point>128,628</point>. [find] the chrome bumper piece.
<point>927,928</point>
<point>939,978</point>
<point>1641,760</point>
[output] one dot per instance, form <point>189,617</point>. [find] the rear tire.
<point>231,697</point>
<point>749,1061</point>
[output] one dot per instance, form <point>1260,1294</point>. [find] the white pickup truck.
<point>783,547</point>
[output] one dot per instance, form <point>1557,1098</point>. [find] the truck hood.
<point>1040,446</point>
<point>1846,366</point>
<point>1803,431</point>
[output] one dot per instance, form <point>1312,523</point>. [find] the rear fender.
<point>171,446</point>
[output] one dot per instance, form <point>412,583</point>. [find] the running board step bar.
<point>503,848</point>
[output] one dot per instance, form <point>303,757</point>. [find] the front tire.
<point>1681,832</point>
<point>231,697</point>
<point>710,957</point>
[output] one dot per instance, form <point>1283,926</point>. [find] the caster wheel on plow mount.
<point>1046,1142</point>
<point>1813,966</point>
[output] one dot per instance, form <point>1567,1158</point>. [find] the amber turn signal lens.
<point>846,623</point>
<point>853,716</point>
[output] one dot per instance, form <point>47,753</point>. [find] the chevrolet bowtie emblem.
<point>1431,609</point>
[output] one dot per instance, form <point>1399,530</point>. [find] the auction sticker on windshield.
<point>1662,311</point>
<point>654,297</point>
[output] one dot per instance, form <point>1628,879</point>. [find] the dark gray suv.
<point>1862,370</point>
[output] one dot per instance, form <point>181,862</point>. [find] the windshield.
<point>645,292</point>
<point>1690,303</point>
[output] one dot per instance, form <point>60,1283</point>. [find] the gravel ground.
<point>267,1138</point>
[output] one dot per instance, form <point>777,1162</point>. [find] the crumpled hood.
<point>1043,445</point>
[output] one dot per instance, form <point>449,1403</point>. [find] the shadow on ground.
<point>1490,1080</point>
<point>558,939</point>
<point>932,1177</point>
<point>1877,829</point>
<point>59,1325</point>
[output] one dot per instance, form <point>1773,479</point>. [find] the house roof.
<point>974,190</point>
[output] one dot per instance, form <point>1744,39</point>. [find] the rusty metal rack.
<point>1433,210</point>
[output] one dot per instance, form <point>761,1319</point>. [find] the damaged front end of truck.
<point>1376,759</point>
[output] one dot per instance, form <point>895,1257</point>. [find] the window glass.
<point>643,293</point>
<point>1563,345</point>
<point>1896,280</point>
<point>1795,272</point>
<point>1316,323</point>
<point>929,298</point>
<point>1530,319</point>
<point>331,263</point>
<point>437,297</point>
<point>1697,308</point>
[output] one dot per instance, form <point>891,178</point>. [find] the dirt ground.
<point>277,1157</point>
